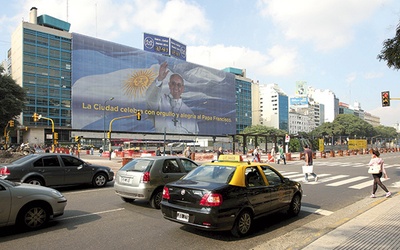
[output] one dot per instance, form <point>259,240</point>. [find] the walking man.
<point>281,155</point>
<point>308,158</point>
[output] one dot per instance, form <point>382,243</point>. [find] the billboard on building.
<point>299,101</point>
<point>112,82</point>
<point>178,50</point>
<point>156,44</point>
<point>301,88</point>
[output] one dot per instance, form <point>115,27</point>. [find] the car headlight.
<point>57,193</point>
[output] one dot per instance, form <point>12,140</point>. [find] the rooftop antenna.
<point>67,10</point>
<point>96,16</point>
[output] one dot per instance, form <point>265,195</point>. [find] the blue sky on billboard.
<point>330,44</point>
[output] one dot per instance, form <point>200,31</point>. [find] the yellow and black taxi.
<point>228,194</point>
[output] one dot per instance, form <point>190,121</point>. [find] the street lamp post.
<point>104,123</point>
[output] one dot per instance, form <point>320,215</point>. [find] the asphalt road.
<point>99,219</point>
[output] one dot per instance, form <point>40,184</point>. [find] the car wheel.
<point>295,205</point>
<point>34,216</point>
<point>242,224</point>
<point>127,199</point>
<point>156,199</point>
<point>34,181</point>
<point>99,180</point>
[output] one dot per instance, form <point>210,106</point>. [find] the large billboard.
<point>112,81</point>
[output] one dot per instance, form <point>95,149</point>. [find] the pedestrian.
<point>375,159</point>
<point>256,154</point>
<point>308,158</point>
<point>219,152</point>
<point>158,151</point>
<point>187,153</point>
<point>281,155</point>
<point>272,158</point>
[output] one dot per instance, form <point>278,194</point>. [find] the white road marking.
<point>322,180</point>
<point>339,183</point>
<point>366,184</point>
<point>316,211</point>
<point>85,215</point>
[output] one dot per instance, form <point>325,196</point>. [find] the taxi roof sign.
<point>233,158</point>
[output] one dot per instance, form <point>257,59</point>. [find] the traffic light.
<point>139,115</point>
<point>36,117</point>
<point>109,135</point>
<point>385,99</point>
<point>55,136</point>
<point>11,123</point>
<point>77,138</point>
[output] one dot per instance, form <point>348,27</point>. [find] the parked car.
<point>144,178</point>
<point>229,195</point>
<point>29,206</point>
<point>55,170</point>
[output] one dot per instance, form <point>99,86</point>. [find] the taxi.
<point>228,194</point>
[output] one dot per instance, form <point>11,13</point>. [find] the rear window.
<point>138,165</point>
<point>215,174</point>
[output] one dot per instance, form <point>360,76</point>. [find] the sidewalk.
<point>376,228</point>
<point>367,224</point>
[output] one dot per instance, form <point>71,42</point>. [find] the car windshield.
<point>215,174</point>
<point>138,165</point>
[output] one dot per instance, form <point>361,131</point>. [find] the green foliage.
<point>386,132</point>
<point>12,98</point>
<point>391,51</point>
<point>345,125</point>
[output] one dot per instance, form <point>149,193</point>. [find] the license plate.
<point>125,180</point>
<point>182,216</point>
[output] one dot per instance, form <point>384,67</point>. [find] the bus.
<point>142,146</point>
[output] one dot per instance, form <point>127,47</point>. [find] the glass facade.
<point>47,78</point>
<point>283,112</point>
<point>243,105</point>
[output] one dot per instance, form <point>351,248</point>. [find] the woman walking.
<point>377,177</point>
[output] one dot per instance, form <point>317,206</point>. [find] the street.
<point>99,219</point>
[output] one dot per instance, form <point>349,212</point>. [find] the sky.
<point>329,44</point>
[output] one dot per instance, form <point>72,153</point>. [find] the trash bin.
<point>193,156</point>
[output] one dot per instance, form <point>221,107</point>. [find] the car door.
<point>50,168</point>
<point>5,204</point>
<point>277,189</point>
<point>76,170</point>
<point>258,194</point>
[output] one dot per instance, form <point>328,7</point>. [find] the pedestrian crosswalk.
<point>341,164</point>
<point>329,180</point>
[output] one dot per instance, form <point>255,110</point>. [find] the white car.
<point>29,206</point>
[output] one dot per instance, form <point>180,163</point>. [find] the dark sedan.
<point>228,195</point>
<point>55,170</point>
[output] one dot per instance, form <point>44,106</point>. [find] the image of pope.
<point>170,104</point>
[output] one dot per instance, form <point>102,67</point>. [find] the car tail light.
<point>165,193</point>
<point>211,200</point>
<point>4,171</point>
<point>146,177</point>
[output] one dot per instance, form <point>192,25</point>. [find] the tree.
<point>12,98</point>
<point>391,51</point>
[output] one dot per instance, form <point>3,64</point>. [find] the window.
<point>171,166</point>
<point>188,165</point>
<point>50,161</point>
<point>253,178</point>
<point>71,161</point>
<point>272,177</point>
